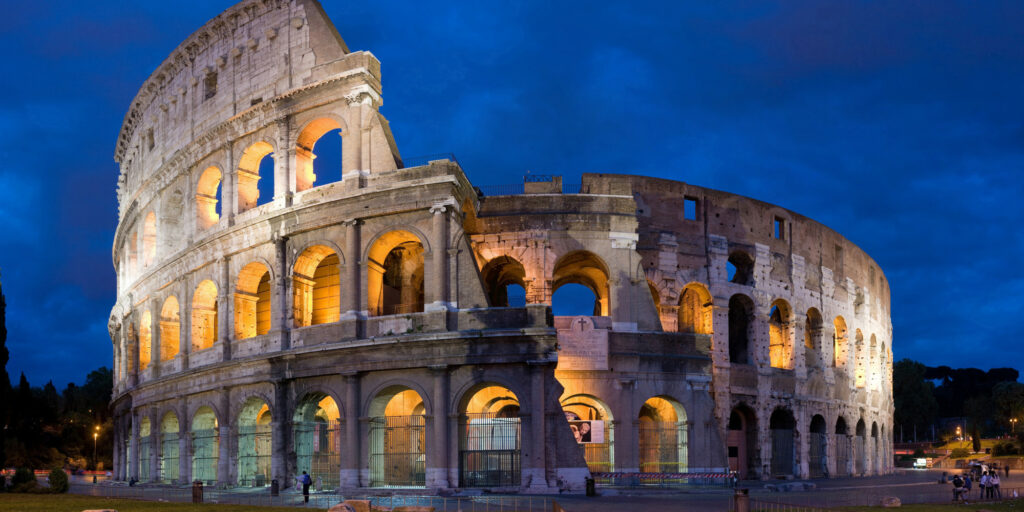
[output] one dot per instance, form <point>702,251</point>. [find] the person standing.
<point>994,480</point>
<point>1006,468</point>
<point>306,481</point>
<point>982,485</point>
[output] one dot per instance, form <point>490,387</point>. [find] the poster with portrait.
<point>586,431</point>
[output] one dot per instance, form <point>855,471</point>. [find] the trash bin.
<point>197,491</point>
<point>591,491</point>
<point>741,500</point>
<point>274,489</point>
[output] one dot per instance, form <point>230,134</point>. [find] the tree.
<point>1009,401</point>
<point>913,396</point>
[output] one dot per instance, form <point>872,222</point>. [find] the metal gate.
<point>254,455</point>
<point>205,455</point>
<point>489,451</point>
<point>782,452</point>
<point>861,461</point>
<point>397,451</point>
<point>600,457</point>
<point>145,453</point>
<point>842,455</point>
<point>662,447</point>
<point>127,458</point>
<point>169,453</point>
<point>318,451</point>
<point>816,462</point>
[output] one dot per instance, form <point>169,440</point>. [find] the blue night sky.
<point>898,124</point>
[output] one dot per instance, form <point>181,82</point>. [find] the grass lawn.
<point>1007,506</point>
<point>74,503</point>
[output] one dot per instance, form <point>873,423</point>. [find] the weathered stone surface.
<point>890,502</point>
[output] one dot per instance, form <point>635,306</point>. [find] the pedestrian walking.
<point>306,482</point>
<point>982,485</point>
<point>995,485</point>
<point>1006,468</point>
<point>967,484</point>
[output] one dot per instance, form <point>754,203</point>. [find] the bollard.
<point>274,489</point>
<point>591,491</point>
<point>741,500</point>
<point>197,491</point>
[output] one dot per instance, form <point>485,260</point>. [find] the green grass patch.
<point>74,503</point>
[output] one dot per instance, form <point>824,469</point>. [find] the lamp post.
<point>961,439</point>
<point>95,436</point>
<point>1013,425</point>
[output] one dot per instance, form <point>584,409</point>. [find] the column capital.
<point>351,222</point>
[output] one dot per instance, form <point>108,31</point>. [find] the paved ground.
<point>911,486</point>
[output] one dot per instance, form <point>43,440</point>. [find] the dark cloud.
<point>898,125</point>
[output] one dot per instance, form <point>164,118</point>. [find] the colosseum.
<point>383,324</point>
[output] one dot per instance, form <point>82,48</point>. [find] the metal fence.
<point>205,455</point>
<point>663,480</point>
<point>254,455</point>
<point>662,447</point>
<point>489,451</point>
<point>169,453</point>
<point>318,451</point>
<point>397,456</point>
<point>871,497</point>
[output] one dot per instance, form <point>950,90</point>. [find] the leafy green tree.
<point>913,396</point>
<point>1008,398</point>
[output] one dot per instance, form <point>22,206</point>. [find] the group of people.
<point>988,485</point>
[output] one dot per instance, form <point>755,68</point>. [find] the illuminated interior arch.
<point>149,239</point>
<point>170,329</point>
<point>397,438</point>
<point>317,437</point>
<point>490,438</point>
<point>305,154</point>
<point>145,339</point>
<point>249,175</point>
<point>586,269</point>
<point>395,274</point>
<point>169,448</point>
<point>208,193</point>
<point>254,443</point>
<point>600,456</point>
<point>695,308</point>
<point>145,448</point>
<point>501,276</point>
<point>204,316</point>
<point>860,371</point>
<point>252,301</point>
<point>780,342</point>
<point>663,436</point>
<point>205,445</point>
<point>841,343</point>
<point>316,286</point>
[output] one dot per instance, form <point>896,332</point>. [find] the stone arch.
<point>875,449</point>
<point>169,447</point>
<point>841,343</point>
<point>171,228</point>
<point>490,441</point>
<point>249,175</point>
<point>145,339</point>
<point>253,290</point>
<point>205,431</point>
<point>146,447</point>
<point>740,267</point>
<point>860,448</point>
<point>695,307</point>
<point>780,335</point>
<point>813,328</point>
<point>254,430</point>
<point>395,272</point>
<point>860,372</point>
<point>817,458</point>
<point>741,440</point>
<point>587,269</point>
<point>316,285</point>
<point>170,329</point>
<point>309,135</point>
<point>782,426</point>
<point>498,275</point>
<point>317,437</point>
<point>662,436</point>
<point>149,239</point>
<point>741,315</point>
<point>398,435</point>
<point>843,449</point>
<point>208,197</point>
<point>204,316</point>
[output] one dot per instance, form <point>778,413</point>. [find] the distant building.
<point>394,327</point>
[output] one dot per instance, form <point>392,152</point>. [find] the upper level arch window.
<point>204,316</point>
<point>740,268</point>
<point>149,239</point>
<point>170,329</point>
<point>780,343</point>
<point>252,301</point>
<point>812,338</point>
<point>841,343</point>
<point>395,274</point>
<point>318,154</point>
<point>586,269</point>
<point>145,340</point>
<point>317,287</point>
<point>505,279</point>
<point>860,370</point>
<point>208,198</point>
<point>695,309</point>
<point>256,176</point>
<point>741,311</point>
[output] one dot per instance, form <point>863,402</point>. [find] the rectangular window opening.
<point>209,86</point>
<point>690,208</point>
<point>780,228</point>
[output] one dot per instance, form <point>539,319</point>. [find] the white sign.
<point>581,347</point>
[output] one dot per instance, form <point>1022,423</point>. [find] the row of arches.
<point>851,453</point>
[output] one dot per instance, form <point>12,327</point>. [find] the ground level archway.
<point>317,438</point>
<point>490,438</point>
<point>589,415</point>
<point>398,452</point>
<point>662,436</point>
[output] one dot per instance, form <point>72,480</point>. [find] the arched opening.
<point>740,268</point>
<point>842,448</point>
<point>585,269</point>
<point>205,445</point>
<point>204,316</point>
<point>783,430</point>
<point>780,337</point>
<point>860,448</point>
<point>741,310</point>
<point>256,176</point>
<point>695,309</point>
<point>663,439</point>
<point>875,449</point>
<point>149,239</point>
<point>126,443</point>
<point>169,448</point>
<point>395,274</point>
<point>489,438</point>
<point>505,279</point>
<point>397,439</point>
<point>171,233</point>
<point>170,329</point>
<point>817,447</point>
<point>254,443</point>
<point>145,449</point>
<point>317,428</point>
<point>208,195</point>
<point>812,339</point>
<point>252,301</point>
<point>145,339</point>
<point>841,343</point>
<point>318,154</point>
<point>873,372</point>
<point>598,436</point>
<point>741,440</point>
<point>860,370</point>
<point>316,284</point>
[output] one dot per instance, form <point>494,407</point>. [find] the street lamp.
<point>958,436</point>
<point>95,436</point>
<point>1013,425</point>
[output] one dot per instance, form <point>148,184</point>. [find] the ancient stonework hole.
<point>505,279</point>
<point>812,339</point>
<point>210,85</point>
<point>690,208</point>
<point>740,268</point>
<point>741,310</point>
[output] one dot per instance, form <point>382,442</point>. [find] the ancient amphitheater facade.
<point>394,327</point>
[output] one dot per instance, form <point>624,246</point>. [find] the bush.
<point>22,476</point>
<point>58,480</point>
<point>1004,449</point>
<point>960,453</point>
<point>919,452</point>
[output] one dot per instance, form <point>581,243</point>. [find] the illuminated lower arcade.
<point>293,296</point>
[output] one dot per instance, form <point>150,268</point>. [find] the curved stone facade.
<point>363,329</point>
